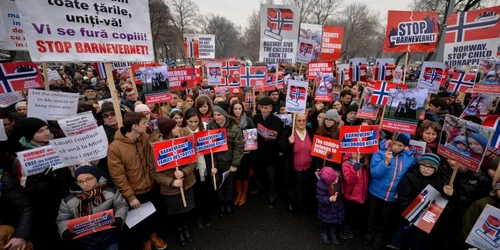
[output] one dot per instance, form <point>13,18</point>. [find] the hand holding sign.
<point>388,157</point>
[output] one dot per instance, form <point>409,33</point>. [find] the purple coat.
<point>328,212</point>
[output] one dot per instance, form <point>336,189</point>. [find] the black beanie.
<point>29,126</point>
<point>266,101</point>
<point>88,169</point>
<point>352,108</point>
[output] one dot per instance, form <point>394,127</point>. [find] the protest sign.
<point>137,215</point>
<point>343,74</point>
<point>383,69</point>
<point>101,102</point>
<point>87,30</point>
<point>89,146</point>
<point>8,99</point>
<point>251,76</point>
<point>479,105</point>
<point>3,135</point>
<point>464,141</point>
<point>426,209</point>
<point>214,73</point>
<point>331,46</point>
<point>174,153</point>
<point>78,124</point>
<point>488,79</point>
<point>270,83</point>
<point>411,31</point>
<point>90,224</point>
<point>359,139</point>
<point>199,46</point>
<point>250,139</point>
<point>279,27</point>
<point>3,31</point>
<point>369,108</point>
<point>309,46</point>
<point>461,82</point>
<point>322,73</point>
<point>484,234</point>
<point>224,177</point>
<point>211,141</point>
<point>432,76</point>
<point>296,96</point>
<point>123,65</point>
<point>51,105</point>
<point>357,69</point>
<point>398,75</point>
<point>418,148</point>
<point>471,36</point>
<point>17,76</point>
<point>138,70</point>
<point>221,91</point>
<point>35,161</point>
<point>326,148</point>
<point>231,72</point>
<point>155,84</point>
<point>404,108</point>
<point>265,133</point>
<point>286,118</point>
<point>53,75</point>
<point>182,78</point>
<point>13,26</point>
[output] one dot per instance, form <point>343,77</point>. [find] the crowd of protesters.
<point>361,198</point>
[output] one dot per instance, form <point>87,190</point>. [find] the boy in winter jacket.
<point>387,168</point>
<point>92,196</point>
<point>330,205</point>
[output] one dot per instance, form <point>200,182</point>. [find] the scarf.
<point>201,164</point>
<point>89,199</point>
<point>243,120</point>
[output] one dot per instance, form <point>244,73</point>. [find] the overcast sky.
<point>239,10</point>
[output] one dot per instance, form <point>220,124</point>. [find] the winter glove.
<point>118,222</point>
<point>67,235</point>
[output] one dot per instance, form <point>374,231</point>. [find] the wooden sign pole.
<point>45,76</point>
<point>277,74</point>
<point>182,191</point>
<point>213,166</point>
<point>114,94</point>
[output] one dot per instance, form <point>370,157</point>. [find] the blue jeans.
<point>104,240</point>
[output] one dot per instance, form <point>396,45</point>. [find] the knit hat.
<point>352,108</point>
<point>29,126</point>
<point>166,125</point>
<point>483,140</point>
<point>224,105</point>
<point>266,101</point>
<point>332,114</point>
<point>142,108</point>
<point>88,169</point>
<point>106,107</point>
<point>430,159</point>
<point>219,109</point>
<point>88,87</point>
<point>328,175</point>
<point>173,110</point>
<point>460,139</point>
<point>20,104</point>
<point>403,138</point>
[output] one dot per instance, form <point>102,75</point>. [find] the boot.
<point>238,191</point>
<point>187,236</point>
<point>146,245</point>
<point>230,209</point>
<point>157,242</point>
<point>180,237</point>
<point>332,235</point>
<point>244,193</point>
<point>221,209</point>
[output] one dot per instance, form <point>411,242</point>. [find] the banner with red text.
<point>211,141</point>
<point>174,153</point>
<point>182,78</point>
<point>93,223</point>
<point>87,30</point>
<point>359,139</point>
<point>14,27</point>
<point>322,73</point>
<point>331,46</point>
<point>326,148</point>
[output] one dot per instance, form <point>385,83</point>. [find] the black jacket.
<point>268,148</point>
<point>413,183</point>
<point>15,208</point>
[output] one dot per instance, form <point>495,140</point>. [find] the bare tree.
<point>184,13</point>
<point>227,35</point>
<point>305,8</point>
<point>323,10</point>
<point>159,16</point>
<point>251,37</point>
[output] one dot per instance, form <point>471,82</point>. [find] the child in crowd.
<point>330,205</point>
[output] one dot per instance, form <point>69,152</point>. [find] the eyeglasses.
<point>301,120</point>
<point>130,95</point>
<point>86,181</point>
<point>111,114</point>
<point>427,167</point>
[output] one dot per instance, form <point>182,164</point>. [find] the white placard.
<point>431,76</point>
<point>279,27</point>
<point>214,73</point>
<point>10,98</point>
<point>101,102</point>
<point>310,36</point>
<point>35,161</point>
<point>13,26</point>
<point>484,233</point>
<point>51,105</point>
<point>3,31</point>
<point>89,146</point>
<point>137,215</point>
<point>296,96</point>
<point>53,75</point>
<point>3,135</point>
<point>78,124</point>
<point>87,30</point>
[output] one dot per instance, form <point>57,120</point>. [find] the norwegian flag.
<point>231,73</point>
<point>357,72</point>
<point>17,76</point>
<point>297,93</point>
<point>305,49</point>
<point>433,74</point>
<point>461,82</point>
<point>271,78</point>
<point>101,70</point>
<point>279,19</point>
<point>250,76</point>
<point>380,94</point>
<point>383,72</point>
<point>248,102</point>
<point>495,139</point>
<point>342,76</point>
<point>472,25</point>
<point>491,227</point>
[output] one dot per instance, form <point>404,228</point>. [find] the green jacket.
<point>235,146</point>
<point>472,214</point>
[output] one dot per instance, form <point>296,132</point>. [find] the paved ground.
<point>257,227</point>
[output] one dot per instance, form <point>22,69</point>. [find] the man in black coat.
<point>269,129</point>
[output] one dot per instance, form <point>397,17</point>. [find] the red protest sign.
<point>326,148</point>
<point>322,73</point>
<point>17,76</point>
<point>174,153</point>
<point>411,31</point>
<point>136,69</point>
<point>211,141</point>
<point>331,43</point>
<point>93,223</point>
<point>362,139</point>
<point>182,78</point>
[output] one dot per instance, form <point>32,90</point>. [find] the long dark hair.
<point>191,113</point>
<point>333,132</point>
<point>231,112</point>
